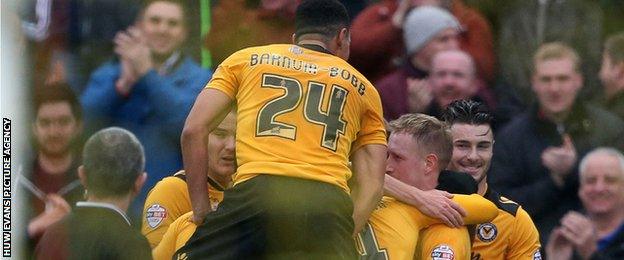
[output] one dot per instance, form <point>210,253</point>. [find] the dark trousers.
<point>274,217</point>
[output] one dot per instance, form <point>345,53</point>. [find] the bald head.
<point>452,77</point>
<point>461,58</point>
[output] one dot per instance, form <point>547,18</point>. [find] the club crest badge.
<point>155,215</point>
<point>442,252</point>
<point>487,232</point>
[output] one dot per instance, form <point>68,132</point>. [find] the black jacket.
<point>91,232</point>
<point>616,105</point>
<point>517,171</point>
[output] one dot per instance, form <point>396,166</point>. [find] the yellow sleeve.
<point>372,130</point>
<point>442,242</point>
<point>478,209</point>
<point>524,240</point>
<point>226,77</point>
<point>167,201</point>
<point>176,236</point>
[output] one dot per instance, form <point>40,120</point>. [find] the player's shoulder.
<point>177,178</point>
<point>246,55</point>
<point>170,183</point>
<point>502,203</point>
<point>270,48</point>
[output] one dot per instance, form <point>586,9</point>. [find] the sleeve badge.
<point>155,215</point>
<point>442,252</point>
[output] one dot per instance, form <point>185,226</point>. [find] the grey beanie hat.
<point>424,23</point>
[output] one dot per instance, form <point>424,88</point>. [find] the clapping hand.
<point>560,160</point>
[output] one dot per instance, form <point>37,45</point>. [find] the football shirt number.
<point>368,246</point>
<point>330,118</point>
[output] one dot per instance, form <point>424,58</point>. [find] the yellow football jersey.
<point>393,229</point>
<point>176,236</point>
<point>441,242</point>
<point>167,201</point>
<point>511,235</point>
<point>301,112</point>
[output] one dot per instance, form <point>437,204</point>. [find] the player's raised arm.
<point>208,111</point>
<point>368,166</point>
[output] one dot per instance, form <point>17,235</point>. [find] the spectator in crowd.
<point>428,30</point>
<point>419,147</point>
<point>600,233</point>
<point>98,228</point>
<point>535,157</point>
<point>526,25</point>
<point>378,47</point>
<point>54,184</point>
<point>452,78</point>
<point>169,199</point>
<point>150,88</point>
<point>612,74</point>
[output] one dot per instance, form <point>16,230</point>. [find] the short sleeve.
<point>524,241</point>
<point>372,126</point>
<point>227,77</point>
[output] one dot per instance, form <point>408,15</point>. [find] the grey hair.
<point>602,151</point>
<point>113,159</point>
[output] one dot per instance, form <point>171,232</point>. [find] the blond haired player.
<point>418,149</point>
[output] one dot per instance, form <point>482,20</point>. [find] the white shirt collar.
<point>167,66</point>
<point>103,205</point>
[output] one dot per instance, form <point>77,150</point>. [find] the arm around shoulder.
<point>478,209</point>
<point>433,203</point>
